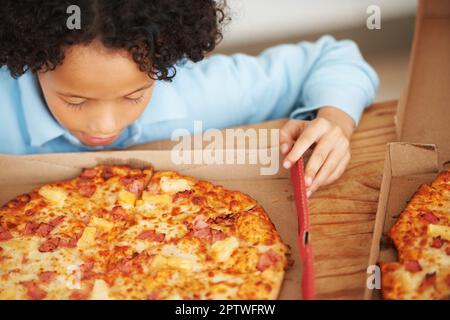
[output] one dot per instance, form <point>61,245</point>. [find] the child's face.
<point>96,93</point>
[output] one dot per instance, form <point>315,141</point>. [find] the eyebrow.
<point>71,95</point>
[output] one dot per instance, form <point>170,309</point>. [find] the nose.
<point>104,121</point>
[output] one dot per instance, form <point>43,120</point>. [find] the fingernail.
<point>308,194</point>
<point>286,164</point>
<point>308,181</point>
<point>284,148</point>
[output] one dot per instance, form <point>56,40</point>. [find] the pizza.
<point>422,238</point>
<point>116,232</point>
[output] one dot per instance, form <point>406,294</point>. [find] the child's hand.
<point>331,132</point>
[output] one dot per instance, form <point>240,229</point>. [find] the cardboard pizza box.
<point>21,174</point>
<point>423,132</point>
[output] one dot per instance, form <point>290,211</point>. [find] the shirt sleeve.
<point>287,80</point>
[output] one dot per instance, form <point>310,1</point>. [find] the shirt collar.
<point>41,125</point>
<point>165,104</point>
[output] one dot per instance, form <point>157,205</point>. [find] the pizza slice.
<point>422,238</point>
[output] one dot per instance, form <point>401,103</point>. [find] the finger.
<point>335,157</point>
<point>289,133</point>
<point>340,169</point>
<point>323,150</point>
<point>309,136</point>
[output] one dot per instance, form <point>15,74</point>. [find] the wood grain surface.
<point>343,213</point>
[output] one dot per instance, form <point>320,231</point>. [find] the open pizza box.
<point>20,174</point>
<point>423,131</point>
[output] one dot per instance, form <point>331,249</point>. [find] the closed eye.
<point>135,100</point>
<point>75,106</point>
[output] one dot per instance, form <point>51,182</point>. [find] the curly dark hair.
<point>158,33</point>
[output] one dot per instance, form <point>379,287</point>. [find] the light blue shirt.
<point>222,91</point>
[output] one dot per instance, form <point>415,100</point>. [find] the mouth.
<point>98,141</point>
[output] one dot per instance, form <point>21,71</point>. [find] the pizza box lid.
<point>424,109</point>
<point>20,174</point>
<point>422,123</point>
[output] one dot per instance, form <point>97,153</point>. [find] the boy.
<point>132,74</point>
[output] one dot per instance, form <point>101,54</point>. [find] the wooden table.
<point>343,213</point>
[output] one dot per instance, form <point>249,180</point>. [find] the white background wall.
<point>262,20</point>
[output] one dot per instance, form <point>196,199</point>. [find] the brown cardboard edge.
<point>380,217</point>
<point>431,164</point>
<point>428,11</point>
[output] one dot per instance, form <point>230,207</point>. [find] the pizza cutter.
<point>306,256</point>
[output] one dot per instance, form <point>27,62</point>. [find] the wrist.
<point>338,117</point>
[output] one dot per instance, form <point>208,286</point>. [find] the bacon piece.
<point>199,222</point>
<point>437,242</point>
<point>153,187</point>
<point>118,213</point>
<point>68,243</point>
<point>447,251</point>
<point>86,269</point>
<point>89,173</point>
<point>151,235</point>
<point>428,281</point>
<point>136,187</point>
<point>4,234</point>
<point>217,235</point>
<point>33,291</point>
<point>30,228</point>
<point>203,234</point>
<point>24,259</point>
<point>44,230</point>
<point>125,266</point>
<point>79,295</point>
<point>47,276</point>
<point>180,196</point>
<point>412,265</point>
<point>87,189</point>
<point>133,184</point>
<point>198,201</point>
<point>56,221</point>
<point>107,173</point>
<point>266,260</point>
<point>3,258</point>
<point>429,216</point>
<point>49,245</point>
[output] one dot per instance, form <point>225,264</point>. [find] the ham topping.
<point>266,260</point>
<point>151,235</point>
<point>412,265</point>
<point>88,173</point>
<point>33,291</point>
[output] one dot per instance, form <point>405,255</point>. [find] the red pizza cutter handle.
<point>306,256</point>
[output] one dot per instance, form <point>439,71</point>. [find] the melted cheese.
<point>222,250</point>
<point>174,185</point>
<point>435,230</point>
